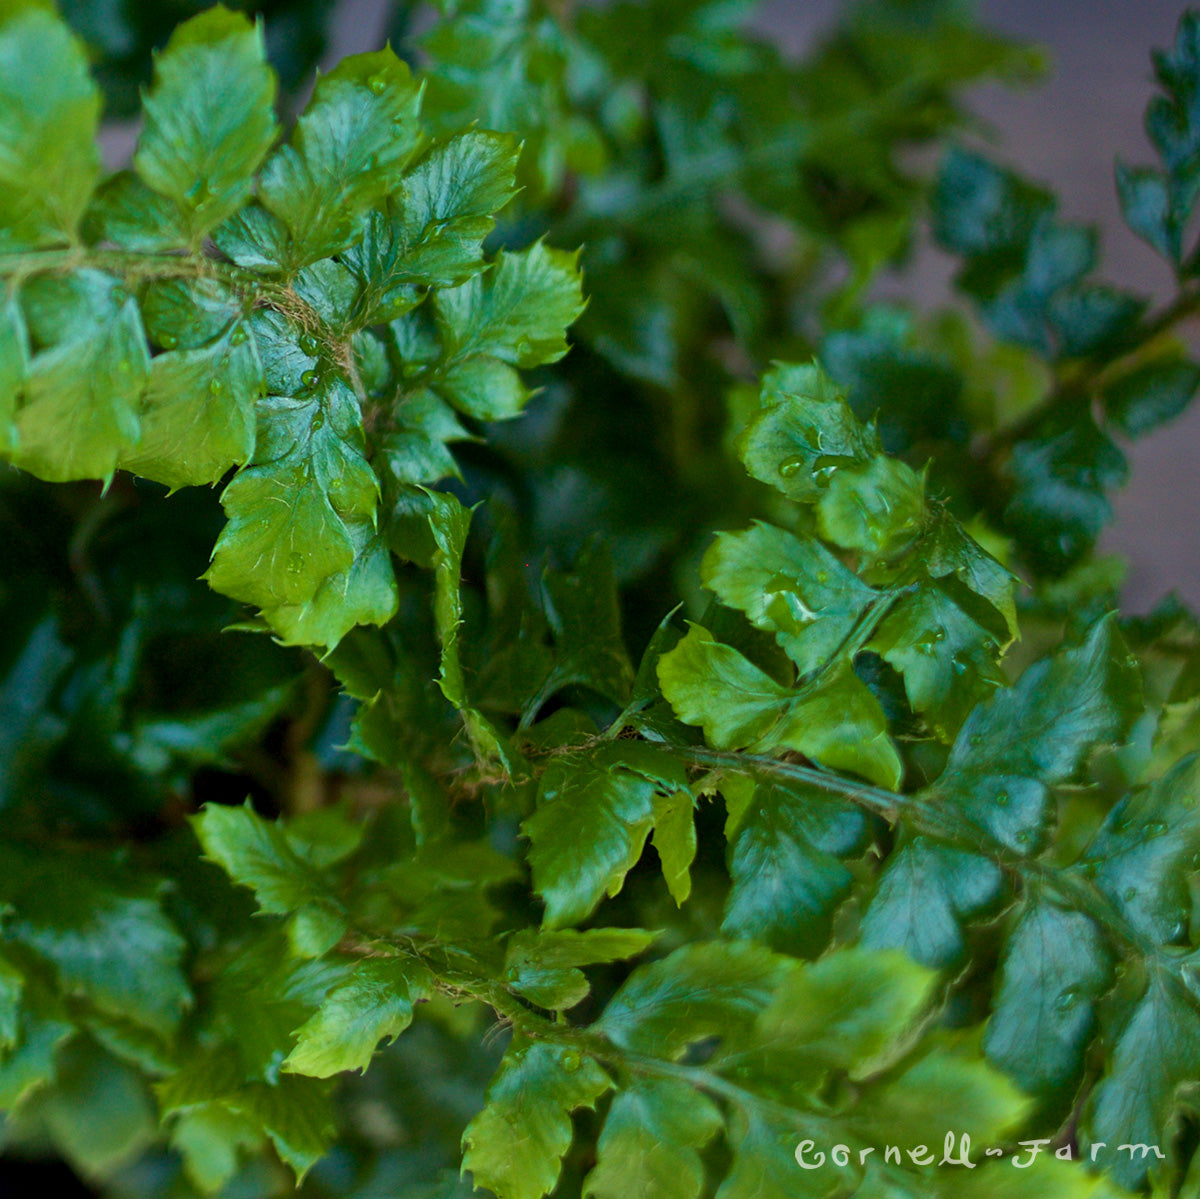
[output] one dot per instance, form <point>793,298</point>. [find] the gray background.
<point>1065,132</point>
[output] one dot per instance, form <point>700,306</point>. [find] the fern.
<point>924,837</point>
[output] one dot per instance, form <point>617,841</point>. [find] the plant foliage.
<point>873,868</point>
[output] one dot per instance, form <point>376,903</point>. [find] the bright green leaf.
<point>516,1144</point>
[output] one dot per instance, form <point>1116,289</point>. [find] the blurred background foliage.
<point>735,207</point>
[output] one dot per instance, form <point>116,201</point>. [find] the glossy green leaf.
<point>710,684</point>
<point>1141,856</point>
<point>518,312</point>
<point>714,989</point>
<point>851,1011</point>
<point>303,512</point>
<point>948,661</point>
<point>587,833</point>
<point>376,1001</point>
<point>256,853</point>
<point>764,1161</point>
<point>833,719</point>
<point>209,119</point>
<point>805,425</point>
<point>1154,1052</point>
<point>295,1113</point>
<point>787,879</point>
<point>349,150</point>
<point>877,509</point>
<point>80,410</point>
<point>1062,479</point>
<point>1055,968</point>
<point>1026,738</point>
<point>198,416</point>
<point>14,366</point>
<point>516,1144</point>
<point>793,588</point>
<point>650,1140</point>
<point>49,109</point>
<point>911,1104</point>
<point>544,966</point>
<point>432,232</point>
<point>674,838</point>
<point>924,895</point>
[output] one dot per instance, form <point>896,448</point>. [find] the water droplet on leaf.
<point>1067,1000</point>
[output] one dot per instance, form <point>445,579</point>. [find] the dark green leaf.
<point>925,893</point>
<point>787,879</point>
<point>588,832</point>
<point>1026,738</point>
<point>1055,968</point>
<point>1151,395</point>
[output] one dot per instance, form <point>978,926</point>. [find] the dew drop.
<point>124,366</point>
<point>216,387</point>
<point>1001,799</point>
<point>571,1061</point>
<point>975,740</point>
<point>309,344</point>
<point>309,378</point>
<point>1024,837</point>
<point>1067,1000</point>
<point>1155,828</point>
<point>295,563</point>
<point>822,576</point>
<point>377,84</point>
<point>939,634</point>
<point>238,336</point>
<point>1130,894</point>
<point>790,467</point>
<point>317,421</point>
<point>336,484</point>
<point>1191,978</point>
<point>168,341</point>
